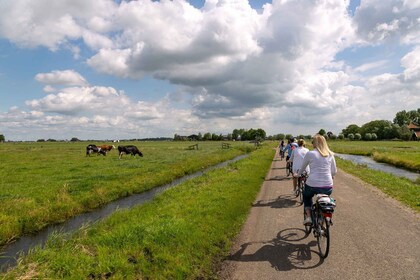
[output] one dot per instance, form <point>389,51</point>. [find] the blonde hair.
<point>321,145</point>
<point>301,142</point>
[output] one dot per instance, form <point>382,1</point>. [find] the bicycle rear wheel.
<point>308,228</point>
<point>301,187</point>
<point>323,235</point>
<point>287,169</point>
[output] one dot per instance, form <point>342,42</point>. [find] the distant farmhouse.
<point>415,130</point>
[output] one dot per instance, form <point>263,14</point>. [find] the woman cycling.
<point>322,166</point>
<point>297,159</point>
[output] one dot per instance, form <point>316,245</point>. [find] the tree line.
<point>237,135</point>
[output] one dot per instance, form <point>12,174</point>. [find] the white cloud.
<point>235,67</point>
<point>396,20</point>
<point>66,78</point>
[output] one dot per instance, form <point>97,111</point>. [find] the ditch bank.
<point>372,164</point>
<point>10,253</point>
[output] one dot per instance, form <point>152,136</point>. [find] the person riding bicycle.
<point>322,166</point>
<point>291,145</point>
<point>297,158</point>
<point>281,149</point>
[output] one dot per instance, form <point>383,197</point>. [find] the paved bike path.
<point>373,236</point>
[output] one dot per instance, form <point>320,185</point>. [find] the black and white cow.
<point>130,149</point>
<point>93,149</point>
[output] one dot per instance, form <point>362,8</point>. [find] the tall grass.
<point>44,183</point>
<point>182,234</point>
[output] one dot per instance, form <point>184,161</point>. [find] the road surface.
<point>373,236</point>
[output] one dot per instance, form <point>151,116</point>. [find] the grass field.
<point>45,183</point>
<point>182,234</point>
<point>402,154</point>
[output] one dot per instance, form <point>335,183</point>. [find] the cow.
<point>91,148</point>
<point>130,149</point>
<point>106,148</point>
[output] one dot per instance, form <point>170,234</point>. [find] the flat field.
<point>48,182</point>
<point>183,233</point>
<point>405,154</point>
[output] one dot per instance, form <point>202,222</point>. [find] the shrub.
<point>357,136</point>
<point>368,136</point>
<point>341,136</point>
<point>350,136</point>
<point>374,137</point>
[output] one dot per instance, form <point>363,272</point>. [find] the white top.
<point>322,169</point>
<point>297,158</point>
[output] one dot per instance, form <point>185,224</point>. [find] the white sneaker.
<point>307,221</point>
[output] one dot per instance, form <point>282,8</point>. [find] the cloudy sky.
<point>107,69</point>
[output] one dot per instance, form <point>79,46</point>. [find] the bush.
<point>374,137</point>
<point>357,136</point>
<point>350,136</point>
<point>341,136</point>
<point>368,136</point>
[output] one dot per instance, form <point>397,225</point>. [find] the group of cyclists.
<point>318,163</point>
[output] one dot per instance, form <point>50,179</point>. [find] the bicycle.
<point>289,166</point>
<point>281,154</point>
<point>301,186</point>
<point>321,214</point>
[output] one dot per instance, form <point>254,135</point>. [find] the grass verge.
<point>182,234</point>
<point>403,154</point>
<point>401,189</point>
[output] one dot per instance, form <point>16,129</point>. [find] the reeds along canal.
<point>372,164</point>
<point>10,253</point>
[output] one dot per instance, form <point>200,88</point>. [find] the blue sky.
<point>116,69</point>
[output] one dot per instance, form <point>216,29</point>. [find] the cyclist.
<point>291,145</point>
<point>297,158</point>
<point>322,165</point>
<point>281,149</point>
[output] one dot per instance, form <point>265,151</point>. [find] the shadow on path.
<point>283,201</point>
<point>287,251</point>
<point>279,178</point>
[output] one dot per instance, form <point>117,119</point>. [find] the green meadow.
<point>184,233</point>
<point>404,154</point>
<point>401,154</point>
<point>46,183</point>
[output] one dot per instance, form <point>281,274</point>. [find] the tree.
<point>2,138</point>
<point>350,136</point>
<point>404,118</point>
<point>368,136</point>
<point>357,136</point>
<point>207,136</point>
<point>322,132</point>
<point>74,139</point>
<point>383,129</point>
<point>353,129</point>
<point>341,136</point>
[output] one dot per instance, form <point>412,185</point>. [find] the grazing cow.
<point>91,149</point>
<point>130,149</point>
<point>106,148</point>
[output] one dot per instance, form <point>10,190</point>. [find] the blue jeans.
<point>309,192</point>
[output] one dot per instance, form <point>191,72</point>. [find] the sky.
<point>107,69</point>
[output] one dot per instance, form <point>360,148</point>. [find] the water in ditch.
<point>372,164</point>
<point>10,252</point>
